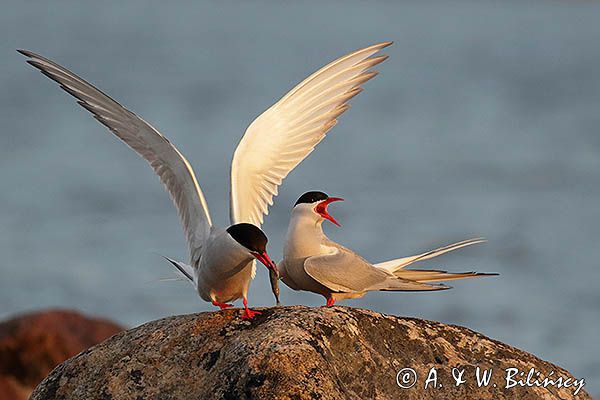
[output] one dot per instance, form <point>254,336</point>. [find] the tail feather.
<point>426,276</point>
<point>185,269</point>
<point>399,263</point>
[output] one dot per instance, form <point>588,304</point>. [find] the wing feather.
<point>169,164</point>
<point>285,134</point>
<point>426,275</point>
<point>347,272</point>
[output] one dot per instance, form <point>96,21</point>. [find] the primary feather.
<point>281,137</point>
<point>169,164</point>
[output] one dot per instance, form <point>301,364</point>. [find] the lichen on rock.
<point>294,353</point>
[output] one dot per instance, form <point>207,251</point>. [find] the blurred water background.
<point>484,121</point>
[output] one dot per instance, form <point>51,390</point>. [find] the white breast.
<point>305,235</point>
<point>225,268</point>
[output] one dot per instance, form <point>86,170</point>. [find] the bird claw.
<point>249,314</point>
<point>330,302</point>
<point>222,306</point>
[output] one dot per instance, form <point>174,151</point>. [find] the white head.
<point>313,205</point>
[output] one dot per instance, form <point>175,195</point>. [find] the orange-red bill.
<point>321,209</point>
<point>266,260</point>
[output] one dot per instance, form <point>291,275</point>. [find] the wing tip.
<point>30,54</point>
<point>480,239</point>
<point>470,274</point>
<point>374,48</point>
<point>383,45</point>
<point>382,57</point>
<point>354,92</point>
<point>330,125</point>
<point>426,287</point>
<point>368,75</point>
<point>437,286</point>
<point>339,110</point>
<point>371,62</point>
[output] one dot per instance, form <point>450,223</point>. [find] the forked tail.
<point>395,265</point>
<point>185,269</point>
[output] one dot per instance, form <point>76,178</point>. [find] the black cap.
<point>311,197</point>
<point>249,236</point>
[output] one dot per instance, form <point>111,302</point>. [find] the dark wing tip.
<point>26,53</point>
<point>35,63</point>
<point>30,54</point>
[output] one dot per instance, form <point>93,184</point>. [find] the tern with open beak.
<point>222,260</point>
<point>312,262</point>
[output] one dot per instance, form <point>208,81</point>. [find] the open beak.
<point>266,260</point>
<point>321,209</point>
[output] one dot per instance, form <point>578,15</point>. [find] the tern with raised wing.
<point>314,263</point>
<point>222,260</point>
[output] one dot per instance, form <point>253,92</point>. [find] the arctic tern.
<point>312,262</point>
<point>222,260</point>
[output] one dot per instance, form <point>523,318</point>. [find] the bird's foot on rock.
<point>249,314</point>
<point>222,306</point>
<point>330,302</point>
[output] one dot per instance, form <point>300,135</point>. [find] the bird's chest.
<point>302,242</point>
<point>302,249</point>
<point>224,273</point>
<point>225,281</point>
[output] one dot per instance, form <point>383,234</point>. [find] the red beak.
<point>266,260</point>
<point>321,209</point>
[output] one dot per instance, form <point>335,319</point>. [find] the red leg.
<point>330,302</point>
<point>248,313</point>
<point>222,306</point>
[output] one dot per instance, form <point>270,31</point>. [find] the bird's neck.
<point>305,236</point>
<point>224,254</point>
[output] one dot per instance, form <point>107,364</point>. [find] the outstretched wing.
<point>281,137</point>
<point>169,164</point>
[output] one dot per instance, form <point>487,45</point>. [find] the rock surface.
<point>293,353</point>
<point>32,345</point>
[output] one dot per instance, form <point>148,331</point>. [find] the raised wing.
<point>345,271</point>
<point>281,137</point>
<point>169,164</point>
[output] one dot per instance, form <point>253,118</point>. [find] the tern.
<point>314,263</point>
<point>222,260</point>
